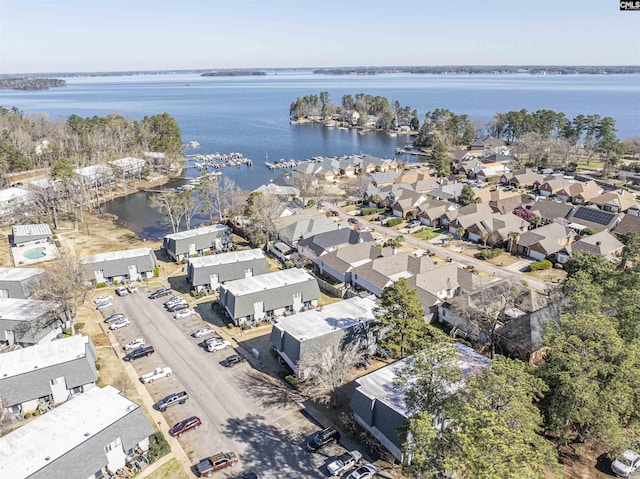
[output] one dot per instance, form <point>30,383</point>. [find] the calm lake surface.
<point>251,114</point>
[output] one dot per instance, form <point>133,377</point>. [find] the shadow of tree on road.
<point>271,391</point>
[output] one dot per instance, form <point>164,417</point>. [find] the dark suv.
<point>231,361</point>
<point>160,293</point>
<point>139,353</point>
<point>322,438</point>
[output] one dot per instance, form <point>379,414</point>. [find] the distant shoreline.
<point>234,73</point>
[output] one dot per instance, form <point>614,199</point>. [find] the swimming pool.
<point>35,253</point>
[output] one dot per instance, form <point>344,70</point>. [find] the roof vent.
<point>48,458</point>
<point>35,367</point>
<point>86,434</point>
<point>598,243</point>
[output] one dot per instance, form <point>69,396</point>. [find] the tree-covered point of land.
<point>31,83</point>
<point>37,141</point>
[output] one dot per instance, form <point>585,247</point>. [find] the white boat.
<point>392,134</point>
<point>343,128</point>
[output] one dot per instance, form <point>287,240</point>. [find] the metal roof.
<point>32,230</point>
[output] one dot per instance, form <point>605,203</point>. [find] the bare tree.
<point>326,368</point>
<point>357,186</point>
<point>191,205</point>
<point>261,212</point>
<point>310,188</point>
<point>216,195</point>
<point>171,206</point>
<point>5,419</point>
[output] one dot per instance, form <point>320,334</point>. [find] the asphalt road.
<point>242,409</point>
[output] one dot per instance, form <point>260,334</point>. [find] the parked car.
<point>198,333</point>
<point>141,352</point>
<point>132,288</point>
<point>353,221</point>
<point>102,299</point>
<point>122,291</point>
<point>185,313</point>
<point>105,305</point>
<point>177,307</point>
<point>344,462</point>
<point>209,465</point>
<point>172,400</point>
<point>212,339</point>
<point>626,463</point>
<point>114,317</point>
<point>322,438</point>
<point>157,373</point>
<point>173,299</point>
<point>413,224</point>
<point>366,471</point>
<point>121,323</point>
<point>183,426</point>
<point>379,240</point>
<point>218,346</point>
<point>159,293</point>
<point>133,344</point>
<point>231,361</point>
<point>334,213</point>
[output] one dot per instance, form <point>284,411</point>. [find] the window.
<point>117,443</point>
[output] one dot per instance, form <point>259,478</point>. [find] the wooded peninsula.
<point>30,83</point>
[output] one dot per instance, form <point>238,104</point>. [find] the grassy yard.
<point>169,470</point>
<point>427,233</point>
<point>505,259</point>
<point>327,300</point>
<point>550,275</point>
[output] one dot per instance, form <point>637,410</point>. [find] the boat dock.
<point>218,160</point>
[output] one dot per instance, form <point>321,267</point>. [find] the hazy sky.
<point>103,35</point>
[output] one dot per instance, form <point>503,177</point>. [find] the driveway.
<point>242,409</point>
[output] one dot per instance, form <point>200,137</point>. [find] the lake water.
<point>251,114</point>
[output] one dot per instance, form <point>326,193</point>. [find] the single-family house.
<point>18,283</point>
<point>89,436</point>
<point>308,227</point>
<point>285,193</point>
<point>351,117</point>
<point>579,192</point>
<point>551,211</point>
<point>125,265</point>
<point>379,406</point>
<point>508,204</point>
<point>552,187</point>
<point>128,167</point>
<point>339,264</point>
<point>629,225</point>
<point>499,157</point>
<point>197,241</point>
<point>47,373</point>
<point>381,272</point>
<point>13,202</point>
<point>348,167</point>
<point>301,334</point>
<point>487,143</point>
<point>207,273</point>
<point>523,177</point>
<point>269,295</point>
<point>449,191</point>
<point>407,204</point>
<point>94,175</point>
<point>431,211</point>
<point>593,218</point>
<point>480,223</point>
<point>30,234</point>
<point>491,171</point>
<point>619,201</point>
<point>318,245</point>
<point>383,178</point>
<point>602,243</point>
<point>546,241</point>
<point>155,159</point>
<point>26,322</point>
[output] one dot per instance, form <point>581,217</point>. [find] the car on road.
<point>198,333</point>
<point>133,344</point>
<point>102,299</point>
<point>177,307</point>
<point>157,373</point>
<point>159,293</point>
<point>353,221</point>
<point>172,400</point>
<point>121,323</point>
<point>626,463</point>
<point>218,346</point>
<point>141,352</point>
<point>132,288</point>
<point>185,425</point>
<point>207,466</point>
<point>105,305</point>
<point>366,471</point>
<point>122,291</point>
<point>231,361</point>
<point>114,317</point>
<point>322,438</point>
<point>185,313</point>
<point>344,462</point>
<point>413,224</point>
<point>379,240</point>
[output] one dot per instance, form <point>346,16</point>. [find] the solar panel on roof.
<point>593,215</point>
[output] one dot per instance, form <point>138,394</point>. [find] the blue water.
<point>251,114</point>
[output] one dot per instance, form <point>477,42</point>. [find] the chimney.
<point>598,243</point>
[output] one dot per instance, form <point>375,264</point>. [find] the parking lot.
<point>242,409</point>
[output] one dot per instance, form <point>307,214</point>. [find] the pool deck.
<point>19,259</point>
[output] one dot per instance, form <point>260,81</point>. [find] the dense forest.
<point>474,69</point>
<point>37,141</point>
<point>30,83</point>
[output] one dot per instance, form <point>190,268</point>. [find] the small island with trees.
<point>30,83</point>
<point>233,73</point>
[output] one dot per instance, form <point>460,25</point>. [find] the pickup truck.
<point>209,465</point>
<point>139,353</point>
<point>344,462</point>
<point>172,400</point>
<point>157,373</point>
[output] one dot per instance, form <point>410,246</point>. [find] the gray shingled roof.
<point>294,232</point>
<point>321,242</point>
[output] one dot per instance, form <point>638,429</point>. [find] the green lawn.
<point>427,233</point>
<point>170,470</point>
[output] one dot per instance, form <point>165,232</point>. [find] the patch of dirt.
<point>585,461</point>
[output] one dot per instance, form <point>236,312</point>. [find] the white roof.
<point>197,232</point>
<point>226,258</point>
<point>92,170</point>
<point>43,355</point>
<point>47,438</point>
<point>19,274</point>
<point>125,253</point>
<point>12,193</point>
<point>13,309</point>
<point>320,321</point>
<point>31,230</point>
<point>129,161</point>
<point>262,282</point>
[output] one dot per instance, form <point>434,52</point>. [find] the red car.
<point>179,429</point>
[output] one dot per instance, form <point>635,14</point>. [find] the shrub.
<point>489,253</point>
<point>394,222</point>
<point>101,285</point>
<point>27,415</point>
<point>116,282</point>
<point>58,244</point>
<point>540,265</point>
<point>558,266</point>
<point>370,211</point>
<point>97,366</point>
<point>156,271</point>
<point>292,381</point>
<point>158,447</point>
<point>245,326</point>
<point>525,283</point>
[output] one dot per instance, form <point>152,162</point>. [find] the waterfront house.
<point>339,264</point>
<point>18,283</point>
<point>378,403</point>
<point>350,117</point>
<point>25,322</point>
<point>316,246</point>
<point>47,373</point>
<point>431,211</point>
<point>308,227</point>
<point>13,203</point>
<point>488,143</point>
<point>94,175</point>
<point>301,334</point>
<point>198,241</point>
<point>89,436</point>
<point>546,242</point>
<point>383,179</point>
<point>126,265</point>
<point>128,167</point>
<point>155,159</point>
<point>283,192</point>
<point>22,235</point>
<point>602,243</point>
<point>269,295</point>
<point>207,273</point>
